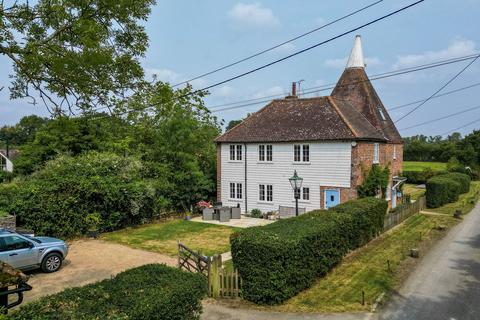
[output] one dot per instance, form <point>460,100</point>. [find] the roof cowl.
<point>356,56</point>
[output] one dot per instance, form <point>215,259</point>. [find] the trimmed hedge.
<point>149,292</point>
<point>420,177</point>
<point>446,188</point>
<point>279,260</point>
<point>461,178</point>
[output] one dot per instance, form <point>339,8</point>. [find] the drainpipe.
<point>246,180</point>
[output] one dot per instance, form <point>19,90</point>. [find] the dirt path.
<point>90,261</point>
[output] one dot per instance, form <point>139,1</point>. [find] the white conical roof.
<point>356,57</point>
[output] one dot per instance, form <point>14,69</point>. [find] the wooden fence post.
<point>215,269</point>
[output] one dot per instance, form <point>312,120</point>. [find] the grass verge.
<point>413,191</point>
<point>420,166</point>
<point>366,269</point>
<point>162,237</point>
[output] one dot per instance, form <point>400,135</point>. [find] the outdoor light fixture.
<point>296,183</point>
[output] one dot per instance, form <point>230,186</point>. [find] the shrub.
<point>55,200</point>
<point>148,292</point>
<point>279,260</point>
<point>420,177</point>
<point>256,213</point>
<point>441,190</point>
<point>461,178</point>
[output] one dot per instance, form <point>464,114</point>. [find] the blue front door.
<point>332,198</point>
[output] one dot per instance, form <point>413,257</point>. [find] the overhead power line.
<point>439,90</point>
<point>461,127</point>
<point>308,49</point>
<point>249,102</point>
<point>278,45</point>
<point>373,78</point>
<point>437,96</point>
<point>442,118</point>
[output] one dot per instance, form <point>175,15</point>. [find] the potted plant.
<point>188,215</point>
<point>93,221</point>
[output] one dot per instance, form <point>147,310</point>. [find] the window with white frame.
<point>265,153</point>
<point>305,194</point>
<point>232,152</point>
<point>376,157</point>
<point>269,193</point>
<point>269,152</point>
<point>301,153</point>
<point>236,191</point>
<point>265,192</point>
<point>239,152</point>
<point>261,152</point>
<point>236,152</point>
<point>261,192</point>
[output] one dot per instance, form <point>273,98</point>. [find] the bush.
<point>256,213</point>
<point>420,177</point>
<point>461,178</point>
<point>56,200</point>
<point>148,292</point>
<point>441,190</point>
<point>279,260</point>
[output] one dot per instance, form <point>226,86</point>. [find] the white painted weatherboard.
<point>330,165</point>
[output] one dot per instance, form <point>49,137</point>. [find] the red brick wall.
<point>362,159</point>
<point>219,172</point>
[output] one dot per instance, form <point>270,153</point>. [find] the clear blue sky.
<point>191,37</point>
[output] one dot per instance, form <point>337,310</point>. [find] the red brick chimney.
<point>294,89</point>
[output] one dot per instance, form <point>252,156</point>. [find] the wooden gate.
<point>194,261</point>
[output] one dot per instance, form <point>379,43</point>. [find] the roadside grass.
<point>163,237</point>
<point>413,191</point>
<point>420,166</point>
<point>366,269</point>
<point>466,201</point>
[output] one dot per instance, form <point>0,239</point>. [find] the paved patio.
<point>244,222</point>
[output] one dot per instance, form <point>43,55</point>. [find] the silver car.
<point>26,252</point>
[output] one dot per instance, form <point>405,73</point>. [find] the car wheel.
<point>52,262</point>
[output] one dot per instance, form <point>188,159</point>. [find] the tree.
<point>232,124</point>
<point>74,53</point>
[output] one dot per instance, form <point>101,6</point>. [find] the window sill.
<point>266,202</point>
<point>302,201</point>
<point>301,163</point>
<point>235,161</point>
<point>235,200</point>
<point>265,162</point>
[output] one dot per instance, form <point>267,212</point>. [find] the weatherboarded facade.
<point>330,141</point>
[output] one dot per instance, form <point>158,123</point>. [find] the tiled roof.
<point>352,112</point>
<point>311,119</point>
<point>355,88</point>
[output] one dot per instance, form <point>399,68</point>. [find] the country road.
<point>446,283</point>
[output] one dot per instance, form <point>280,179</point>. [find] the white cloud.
<point>286,48</point>
<point>320,21</point>
<point>172,77</point>
<point>226,91</point>
<point>341,63</point>
<point>458,48</point>
<point>253,15</point>
<point>276,90</point>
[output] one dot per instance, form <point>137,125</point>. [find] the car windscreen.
<point>31,238</point>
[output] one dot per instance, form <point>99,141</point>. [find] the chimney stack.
<point>294,89</point>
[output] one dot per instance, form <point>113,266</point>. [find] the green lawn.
<point>466,201</point>
<point>366,269</point>
<point>162,237</point>
<point>413,191</point>
<point>420,166</point>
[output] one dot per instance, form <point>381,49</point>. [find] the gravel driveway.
<point>89,261</point>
